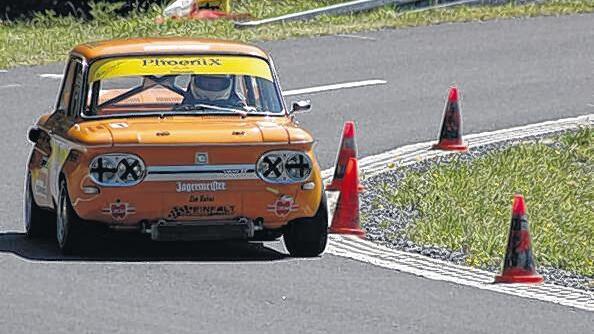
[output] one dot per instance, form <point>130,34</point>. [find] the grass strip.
<point>47,38</point>
<point>467,205</point>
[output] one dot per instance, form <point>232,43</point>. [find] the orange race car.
<point>179,139</point>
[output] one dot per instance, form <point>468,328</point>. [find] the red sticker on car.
<point>283,206</point>
<point>119,210</point>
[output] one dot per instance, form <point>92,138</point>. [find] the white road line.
<point>3,71</point>
<point>326,88</point>
<point>10,86</point>
<point>356,37</point>
<point>373,165</point>
<point>51,76</point>
<point>416,264</point>
<point>365,251</point>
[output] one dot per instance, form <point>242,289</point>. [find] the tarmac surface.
<point>511,72</point>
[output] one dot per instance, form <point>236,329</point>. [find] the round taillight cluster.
<point>284,167</point>
<point>117,170</point>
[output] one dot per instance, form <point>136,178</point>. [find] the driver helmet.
<point>211,87</point>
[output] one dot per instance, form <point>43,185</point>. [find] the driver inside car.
<point>216,90</point>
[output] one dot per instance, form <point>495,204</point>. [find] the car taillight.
<point>113,170</point>
<point>284,167</point>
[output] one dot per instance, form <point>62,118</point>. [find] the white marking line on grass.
<point>337,86</point>
<point>52,76</point>
<point>420,265</point>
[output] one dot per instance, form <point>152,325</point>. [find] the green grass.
<point>47,38</point>
<point>467,206</point>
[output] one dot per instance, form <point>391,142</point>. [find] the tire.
<point>307,237</point>
<point>70,232</point>
<point>38,222</point>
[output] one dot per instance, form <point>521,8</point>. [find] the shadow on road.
<point>136,249</point>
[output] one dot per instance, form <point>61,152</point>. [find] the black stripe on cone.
<point>518,266</point>
<point>450,136</point>
<point>346,215</point>
<point>346,151</point>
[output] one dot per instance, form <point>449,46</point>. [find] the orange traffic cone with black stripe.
<point>346,215</point>
<point>346,151</point>
<point>450,136</point>
<point>518,266</point>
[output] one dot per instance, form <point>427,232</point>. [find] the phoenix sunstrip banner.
<point>176,65</point>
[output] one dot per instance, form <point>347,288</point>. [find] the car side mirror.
<point>34,134</point>
<point>301,106</point>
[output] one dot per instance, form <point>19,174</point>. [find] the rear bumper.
<point>239,229</point>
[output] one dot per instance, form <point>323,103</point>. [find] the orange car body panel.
<point>171,45</point>
<point>171,141</point>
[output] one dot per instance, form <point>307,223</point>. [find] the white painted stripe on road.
<point>356,37</point>
<point>373,165</point>
<point>52,76</point>
<point>365,251</point>
<point>10,86</point>
<point>416,264</point>
<point>3,71</point>
<point>326,88</point>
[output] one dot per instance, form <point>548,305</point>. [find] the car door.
<point>40,162</point>
<point>38,167</point>
<point>62,119</point>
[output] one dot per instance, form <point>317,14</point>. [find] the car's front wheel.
<point>307,237</point>
<point>69,230</point>
<point>38,222</point>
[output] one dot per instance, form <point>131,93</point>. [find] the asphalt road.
<point>510,72</point>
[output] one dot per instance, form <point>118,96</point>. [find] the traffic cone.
<point>346,215</point>
<point>346,151</point>
<point>518,266</point>
<point>450,137</point>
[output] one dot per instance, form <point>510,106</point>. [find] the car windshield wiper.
<point>202,106</point>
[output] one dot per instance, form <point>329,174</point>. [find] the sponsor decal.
<point>175,65</point>
<point>283,206</point>
<point>201,211</point>
<point>201,158</point>
<point>40,188</point>
<point>182,62</point>
<point>190,187</point>
<point>201,198</point>
<point>119,210</point>
<point>236,171</point>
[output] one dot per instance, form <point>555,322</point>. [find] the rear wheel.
<point>70,233</point>
<point>307,237</point>
<point>38,222</point>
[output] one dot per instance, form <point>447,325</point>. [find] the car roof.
<point>164,45</point>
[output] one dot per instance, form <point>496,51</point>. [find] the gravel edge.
<point>385,225</point>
